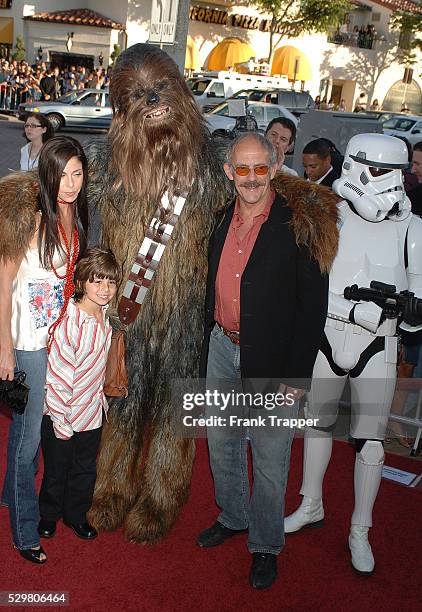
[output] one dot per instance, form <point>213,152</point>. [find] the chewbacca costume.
<point>157,143</point>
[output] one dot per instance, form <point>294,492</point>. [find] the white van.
<point>214,87</point>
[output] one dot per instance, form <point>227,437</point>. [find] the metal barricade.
<point>11,96</point>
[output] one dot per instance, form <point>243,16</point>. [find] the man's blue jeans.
<point>263,511</point>
<point>19,492</point>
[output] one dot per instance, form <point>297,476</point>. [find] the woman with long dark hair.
<point>44,228</point>
<point>37,130</point>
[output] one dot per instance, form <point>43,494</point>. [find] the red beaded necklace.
<point>69,287</point>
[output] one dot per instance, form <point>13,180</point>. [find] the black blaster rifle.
<point>404,305</point>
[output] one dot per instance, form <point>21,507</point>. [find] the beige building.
<point>339,65</point>
<point>61,30</point>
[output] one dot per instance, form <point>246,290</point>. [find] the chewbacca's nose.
<point>152,98</point>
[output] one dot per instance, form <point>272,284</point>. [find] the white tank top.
<point>37,298</point>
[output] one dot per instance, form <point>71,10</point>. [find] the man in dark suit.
<point>48,86</point>
<point>317,163</point>
<point>266,305</point>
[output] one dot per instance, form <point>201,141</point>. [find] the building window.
<point>397,95</point>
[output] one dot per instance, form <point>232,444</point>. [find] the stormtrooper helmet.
<point>372,179</point>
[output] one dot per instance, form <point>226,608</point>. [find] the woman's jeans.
<point>19,492</point>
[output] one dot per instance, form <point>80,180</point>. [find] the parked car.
<point>85,108</point>
<point>408,126</point>
<point>297,102</point>
<point>381,116</point>
<point>219,119</point>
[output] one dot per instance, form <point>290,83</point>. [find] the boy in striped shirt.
<point>75,400</point>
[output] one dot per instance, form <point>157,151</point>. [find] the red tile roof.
<point>77,17</point>
<point>400,5</point>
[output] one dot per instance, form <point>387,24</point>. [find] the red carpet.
<point>111,574</point>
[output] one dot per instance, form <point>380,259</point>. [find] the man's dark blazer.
<point>415,197</point>
<point>48,87</point>
<point>283,300</point>
<point>330,178</point>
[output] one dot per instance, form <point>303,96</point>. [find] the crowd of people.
<point>362,37</point>
<point>273,249</point>
<point>23,82</point>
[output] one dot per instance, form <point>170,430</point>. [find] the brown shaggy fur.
<point>152,507</point>
<point>314,216</point>
<point>18,207</point>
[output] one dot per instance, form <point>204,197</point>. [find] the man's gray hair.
<point>265,144</point>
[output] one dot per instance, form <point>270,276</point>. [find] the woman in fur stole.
<point>43,229</point>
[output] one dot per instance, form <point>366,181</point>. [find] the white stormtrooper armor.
<point>380,240</point>
<point>371,177</point>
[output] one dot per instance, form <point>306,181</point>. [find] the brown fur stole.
<point>314,218</point>
<point>18,207</point>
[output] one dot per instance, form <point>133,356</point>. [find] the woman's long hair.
<point>54,156</point>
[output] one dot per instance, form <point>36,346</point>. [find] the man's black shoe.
<point>263,570</point>
<point>46,529</point>
<point>83,530</point>
<point>216,535</point>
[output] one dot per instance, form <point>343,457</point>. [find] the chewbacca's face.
<point>148,89</point>
<point>155,102</point>
<point>157,130</point>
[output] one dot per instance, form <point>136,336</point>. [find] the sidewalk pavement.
<point>7,116</point>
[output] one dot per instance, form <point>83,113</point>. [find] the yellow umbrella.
<point>291,62</point>
<point>192,61</point>
<point>228,53</point>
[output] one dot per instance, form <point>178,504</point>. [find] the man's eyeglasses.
<point>260,170</point>
<point>32,125</point>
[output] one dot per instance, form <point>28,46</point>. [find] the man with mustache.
<point>265,308</point>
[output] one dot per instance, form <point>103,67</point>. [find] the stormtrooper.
<point>380,240</point>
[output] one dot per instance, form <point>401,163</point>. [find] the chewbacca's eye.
<point>138,93</point>
<point>160,86</point>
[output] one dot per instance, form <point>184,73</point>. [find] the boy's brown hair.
<point>96,263</point>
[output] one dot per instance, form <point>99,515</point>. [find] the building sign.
<point>5,4</point>
<point>247,22</point>
<point>163,21</point>
<point>197,13</point>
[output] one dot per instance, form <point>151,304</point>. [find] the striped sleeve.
<point>60,376</point>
